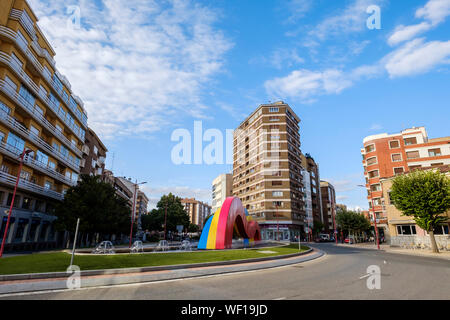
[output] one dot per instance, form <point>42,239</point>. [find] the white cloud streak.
<point>136,64</point>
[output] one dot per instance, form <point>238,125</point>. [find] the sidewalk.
<point>387,248</point>
<point>171,273</point>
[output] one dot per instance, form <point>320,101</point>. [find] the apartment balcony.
<point>10,180</point>
<point>15,153</point>
<point>12,36</point>
<point>6,59</point>
<point>30,136</point>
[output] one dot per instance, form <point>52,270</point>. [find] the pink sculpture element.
<point>233,214</point>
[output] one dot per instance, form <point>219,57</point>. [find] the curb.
<point>55,275</point>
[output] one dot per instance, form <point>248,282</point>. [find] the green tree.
<point>96,204</point>
<point>317,227</point>
<point>176,215</point>
<point>425,196</point>
<point>352,222</point>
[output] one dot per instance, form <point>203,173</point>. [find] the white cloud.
<point>349,20</point>
<point>403,33</point>
<point>417,57</point>
<point>307,84</point>
<point>434,11</point>
<point>136,64</point>
<point>375,127</point>
<point>298,9</point>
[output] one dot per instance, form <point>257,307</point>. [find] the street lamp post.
<point>136,185</point>
<point>374,220</point>
<point>22,156</point>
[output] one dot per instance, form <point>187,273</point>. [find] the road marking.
<point>282,298</point>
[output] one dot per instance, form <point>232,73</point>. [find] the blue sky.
<point>146,68</point>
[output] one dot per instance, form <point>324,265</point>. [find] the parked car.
<point>104,247</point>
<point>349,240</point>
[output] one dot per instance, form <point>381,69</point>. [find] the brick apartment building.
<point>267,170</point>
<point>386,155</point>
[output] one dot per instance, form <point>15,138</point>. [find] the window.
<point>64,151</point>
<point>15,141</point>
<point>48,185</point>
<point>5,108</point>
<point>95,150</point>
<point>59,128</point>
<point>277,183</point>
<point>406,230</point>
<point>34,130</point>
<point>52,165</point>
<point>441,229</point>
<point>274,119</point>
<point>16,60</point>
<point>16,200</point>
<point>41,157</point>
<point>11,83</point>
<point>434,152</point>
<point>57,84</point>
<point>274,109</point>
<point>437,164</point>
<point>396,157</point>
<point>2,136</point>
<point>74,177</point>
<point>375,187</point>
<point>370,148</point>
<point>372,161</point>
<point>27,95</point>
<point>410,141</point>
<point>412,168</point>
<point>4,168</point>
<point>395,144</point>
<point>412,155</point>
<point>400,170</point>
<point>26,204</point>
<point>374,174</point>
<point>25,175</point>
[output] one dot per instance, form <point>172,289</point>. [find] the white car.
<point>137,246</point>
<point>104,247</point>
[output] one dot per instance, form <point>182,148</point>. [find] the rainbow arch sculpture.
<point>218,230</point>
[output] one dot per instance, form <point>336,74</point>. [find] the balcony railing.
<point>30,186</point>
<point>37,114</point>
<point>39,93</point>
<point>23,131</point>
<point>13,152</point>
<point>13,36</point>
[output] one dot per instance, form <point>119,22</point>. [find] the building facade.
<point>386,155</point>
<point>198,211</point>
<point>311,172</point>
<point>222,188</point>
<point>403,230</point>
<point>38,112</point>
<point>328,206</point>
<point>94,155</point>
<point>267,170</point>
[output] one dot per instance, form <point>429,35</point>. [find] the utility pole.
<point>165,221</point>
<point>22,156</point>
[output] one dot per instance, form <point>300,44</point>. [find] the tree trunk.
<point>434,247</point>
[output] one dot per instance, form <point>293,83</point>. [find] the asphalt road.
<point>337,275</point>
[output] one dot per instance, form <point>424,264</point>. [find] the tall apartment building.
<point>38,112</point>
<point>267,170</point>
<point>222,188</point>
<point>311,172</point>
<point>328,206</point>
<point>386,155</point>
<point>94,155</point>
<point>123,190</point>
<point>197,211</point>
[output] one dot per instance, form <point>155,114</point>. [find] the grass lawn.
<point>59,261</point>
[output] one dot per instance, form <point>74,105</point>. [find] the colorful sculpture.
<point>218,230</point>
